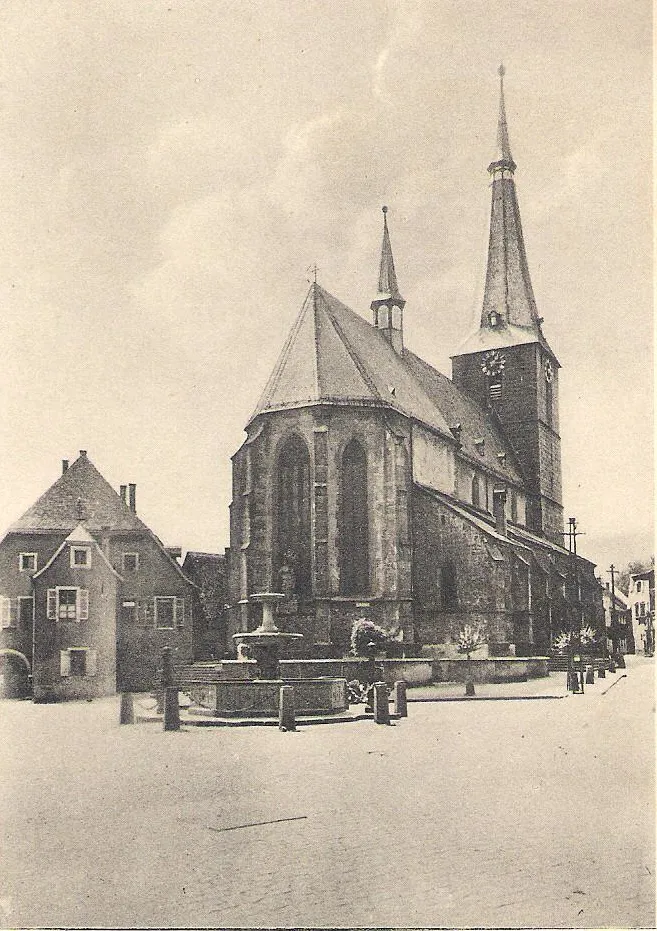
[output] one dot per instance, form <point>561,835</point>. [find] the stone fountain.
<point>266,642</point>
<point>248,693</point>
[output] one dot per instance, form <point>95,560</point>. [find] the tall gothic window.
<point>475,490</point>
<point>293,516</point>
<point>353,524</point>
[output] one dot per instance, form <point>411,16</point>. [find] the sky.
<point>170,169</point>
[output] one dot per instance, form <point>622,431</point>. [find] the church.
<point>371,485</point>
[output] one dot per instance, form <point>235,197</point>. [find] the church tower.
<point>507,365</point>
<point>388,305</point>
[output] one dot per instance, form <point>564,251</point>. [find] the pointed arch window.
<point>292,533</point>
<point>353,527</point>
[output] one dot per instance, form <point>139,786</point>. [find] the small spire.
<point>388,286</point>
<point>503,157</point>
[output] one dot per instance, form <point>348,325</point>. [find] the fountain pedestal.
<point>266,641</point>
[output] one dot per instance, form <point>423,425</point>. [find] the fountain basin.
<point>260,697</point>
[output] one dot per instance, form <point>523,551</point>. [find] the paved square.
<point>494,814</point>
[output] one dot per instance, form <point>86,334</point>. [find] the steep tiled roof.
<point>335,356</point>
<point>80,494</point>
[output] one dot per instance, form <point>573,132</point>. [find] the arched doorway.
<point>14,674</point>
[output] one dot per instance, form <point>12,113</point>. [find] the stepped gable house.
<point>89,596</point>
<point>370,484</point>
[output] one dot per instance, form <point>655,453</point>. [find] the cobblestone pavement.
<point>494,814</point>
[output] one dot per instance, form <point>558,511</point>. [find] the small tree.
<point>469,639</point>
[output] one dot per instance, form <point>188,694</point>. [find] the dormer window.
<point>479,446</point>
<point>27,562</point>
<point>130,562</point>
<point>80,557</point>
<point>493,318</point>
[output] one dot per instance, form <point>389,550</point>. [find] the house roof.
<point>82,503</point>
<point>80,494</point>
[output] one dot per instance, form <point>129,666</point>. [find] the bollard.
<point>620,661</point>
<point>167,667</point>
<point>127,713</point>
<point>590,675</point>
<point>171,709</point>
<point>602,672</point>
<point>612,665</point>
<point>286,720</point>
<point>572,681</point>
<point>381,708</point>
<point>400,704</point>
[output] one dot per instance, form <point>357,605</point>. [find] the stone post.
<point>590,675</point>
<point>127,713</point>
<point>399,699</point>
<point>381,708</point>
<point>286,720</point>
<point>602,672</point>
<point>171,709</point>
<point>612,664</point>
<point>620,660</point>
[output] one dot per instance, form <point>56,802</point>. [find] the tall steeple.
<point>388,305</point>
<point>506,365</point>
<point>508,295</point>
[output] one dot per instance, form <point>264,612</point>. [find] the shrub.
<point>365,632</point>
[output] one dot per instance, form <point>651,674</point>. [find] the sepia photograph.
<point>326,442</point>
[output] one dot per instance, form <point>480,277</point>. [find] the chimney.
<point>123,491</point>
<point>64,465</point>
<point>499,510</point>
<point>132,494</point>
<point>83,454</point>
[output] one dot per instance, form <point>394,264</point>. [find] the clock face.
<point>549,372</point>
<point>493,363</point>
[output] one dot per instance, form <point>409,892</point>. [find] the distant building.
<point>208,571</point>
<point>641,598</point>
<point>89,596</point>
<point>372,485</point>
<point>618,621</point>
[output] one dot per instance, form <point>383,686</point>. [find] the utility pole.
<point>576,682</point>
<point>616,653</point>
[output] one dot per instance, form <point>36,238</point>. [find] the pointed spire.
<point>388,287</point>
<point>503,155</point>
<point>508,296</point>
<point>388,305</point>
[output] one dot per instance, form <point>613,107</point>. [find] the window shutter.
<point>65,663</point>
<point>52,604</point>
<point>83,604</point>
<point>180,613</point>
<point>92,662</point>
<point>5,611</point>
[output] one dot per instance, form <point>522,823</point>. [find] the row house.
<point>89,596</point>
